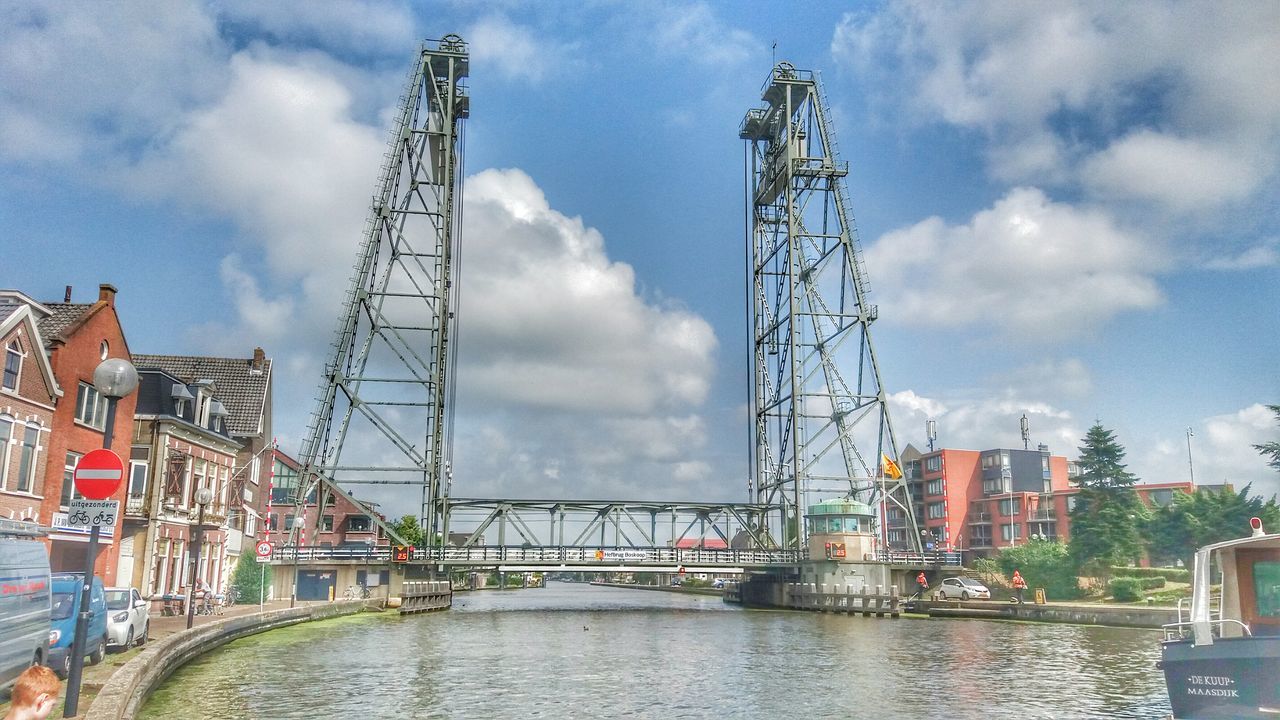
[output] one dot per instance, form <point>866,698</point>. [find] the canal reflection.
<point>573,650</point>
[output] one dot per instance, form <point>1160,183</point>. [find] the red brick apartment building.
<point>343,525</point>
<point>982,501</point>
<point>28,392</point>
<point>77,337</point>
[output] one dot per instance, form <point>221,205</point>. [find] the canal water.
<point>573,650</point>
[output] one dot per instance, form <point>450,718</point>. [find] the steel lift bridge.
<point>383,414</point>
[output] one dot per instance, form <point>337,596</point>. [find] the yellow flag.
<point>890,467</point>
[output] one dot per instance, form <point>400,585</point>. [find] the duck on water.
<point>1224,661</point>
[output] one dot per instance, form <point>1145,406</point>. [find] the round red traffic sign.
<point>98,474</point>
<point>263,548</point>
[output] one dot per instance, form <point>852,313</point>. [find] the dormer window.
<point>217,411</point>
<point>181,396</point>
<point>12,365</point>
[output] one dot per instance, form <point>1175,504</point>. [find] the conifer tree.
<point>1108,516</point>
<point>1271,450</point>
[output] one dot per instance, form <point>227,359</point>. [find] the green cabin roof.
<point>841,506</point>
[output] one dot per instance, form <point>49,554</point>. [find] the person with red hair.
<point>34,694</point>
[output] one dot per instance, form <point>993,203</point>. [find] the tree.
<point>1271,449</point>
<point>408,528</point>
<point>1108,516</point>
<point>251,580</point>
<point>1045,564</point>
<point>1206,516</point>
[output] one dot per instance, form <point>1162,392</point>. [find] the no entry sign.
<point>98,474</point>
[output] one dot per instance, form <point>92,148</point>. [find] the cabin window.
<point>1266,588</point>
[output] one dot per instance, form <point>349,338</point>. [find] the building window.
<point>103,349</point>
<point>935,487</point>
<point>68,483</point>
<point>1071,503</point>
<point>139,458</point>
<point>937,510</point>
<point>91,408</point>
<point>30,453</point>
<point>327,524</point>
<point>6,438</point>
<point>981,536</point>
<point>289,521</point>
<point>250,524</point>
<point>273,522</point>
<point>197,479</point>
<point>897,536</point>
<point>359,523</point>
<point>12,365</point>
<point>1010,532</point>
<point>933,464</point>
<point>1009,508</point>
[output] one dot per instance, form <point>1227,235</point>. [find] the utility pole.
<point>1190,463</point>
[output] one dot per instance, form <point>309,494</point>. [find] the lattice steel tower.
<point>386,390</point>
<point>820,419</point>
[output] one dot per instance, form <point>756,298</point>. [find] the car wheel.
<point>142,639</point>
<point>99,652</point>
<point>964,595</point>
<point>66,666</point>
<point>128,639</point>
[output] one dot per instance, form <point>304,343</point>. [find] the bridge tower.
<point>385,396</point>
<point>820,422</point>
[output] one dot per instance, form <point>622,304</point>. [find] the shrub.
<point>1125,589</point>
<point>250,578</point>
<point>1045,564</point>
<point>1152,583</point>
<point>1170,574</point>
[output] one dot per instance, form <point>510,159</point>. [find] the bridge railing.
<point>604,556</point>
<point>895,557</point>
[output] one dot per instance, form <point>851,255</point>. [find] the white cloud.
<point>1222,451</point>
<point>693,31</point>
<point>1259,256</point>
<point>1101,93</point>
<point>1068,377</point>
<point>516,52</point>
<point>1180,173</point>
<point>1027,266</point>
<point>552,322</point>
<point>359,26</point>
<point>983,422</point>
<point>79,81</point>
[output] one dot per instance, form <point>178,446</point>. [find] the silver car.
<point>963,588</point>
<point>128,617</point>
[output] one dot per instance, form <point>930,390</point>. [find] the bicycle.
<point>355,592</point>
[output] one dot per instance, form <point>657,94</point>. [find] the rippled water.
<point>573,650</point>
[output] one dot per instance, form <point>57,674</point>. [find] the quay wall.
<point>129,687</point>
<point>1135,616</point>
<point>664,588</point>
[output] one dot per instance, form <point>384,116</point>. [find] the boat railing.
<point>1215,608</point>
<point>1180,630</point>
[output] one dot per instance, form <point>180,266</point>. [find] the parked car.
<point>24,605</point>
<point>964,588</point>
<point>66,608</point>
<point>129,617</point>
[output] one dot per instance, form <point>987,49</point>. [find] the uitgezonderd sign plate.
<point>92,513</point>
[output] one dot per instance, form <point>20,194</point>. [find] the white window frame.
<point>95,417</point>
<point>13,349</point>
<point>5,455</point>
<point>34,459</point>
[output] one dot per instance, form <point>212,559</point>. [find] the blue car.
<point>66,609</point>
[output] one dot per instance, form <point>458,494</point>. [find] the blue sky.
<point>1068,211</point>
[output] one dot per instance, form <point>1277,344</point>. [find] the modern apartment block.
<point>981,501</point>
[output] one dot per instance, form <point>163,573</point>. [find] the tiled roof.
<point>241,391</point>
<point>7,310</point>
<point>63,315</point>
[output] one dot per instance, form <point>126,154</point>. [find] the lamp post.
<point>1190,463</point>
<point>114,378</point>
<point>204,496</point>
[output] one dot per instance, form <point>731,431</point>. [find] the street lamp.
<point>204,496</point>
<point>114,378</point>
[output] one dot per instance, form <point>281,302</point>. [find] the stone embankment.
<point>1134,616</point>
<point>128,688</point>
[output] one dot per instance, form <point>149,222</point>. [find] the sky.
<point>1068,212</point>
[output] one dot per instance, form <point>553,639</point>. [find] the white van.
<point>24,600</point>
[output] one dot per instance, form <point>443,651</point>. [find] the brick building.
<point>981,501</point>
<point>28,392</point>
<point>78,337</point>
<point>344,524</point>
<point>243,387</point>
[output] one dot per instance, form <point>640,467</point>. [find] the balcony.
<point>136,506</point>
<point>979,518</point>
<point>1042,516</point>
